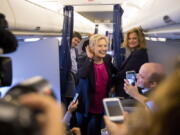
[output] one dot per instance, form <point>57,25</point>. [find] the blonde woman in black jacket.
<point>134,42</point>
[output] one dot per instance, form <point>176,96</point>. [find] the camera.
<point>35,84</point>
<point>5,71</point>
<point>19,118</point>
<point>8,44</point>
<point>16,119</point>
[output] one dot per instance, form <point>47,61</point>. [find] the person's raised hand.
<point>130,89</point>
<point>89,52</point>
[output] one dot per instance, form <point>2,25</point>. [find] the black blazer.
<point>133,62</point>
<point>86,71</point>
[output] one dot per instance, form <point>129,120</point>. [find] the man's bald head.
<point>150,74</point>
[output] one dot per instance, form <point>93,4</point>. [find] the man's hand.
<point>131,90</point>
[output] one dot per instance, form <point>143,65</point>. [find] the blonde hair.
<point>140,35</point>
<point>95,38</point>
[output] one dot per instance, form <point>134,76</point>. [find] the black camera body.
<point>22,120</point>
<point>8,44</point>
<point>16,119</point>
<point>5,71</point>
<point>35,84</point>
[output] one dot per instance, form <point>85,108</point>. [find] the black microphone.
<point>8,42</point>
<point>3,22</point>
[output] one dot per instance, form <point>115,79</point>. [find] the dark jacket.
<point>87,75</point>
<point>133,62</point>
<point>72,80</point>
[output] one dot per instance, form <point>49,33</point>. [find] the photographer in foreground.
<point>8,42</point>
<point>24,108</point>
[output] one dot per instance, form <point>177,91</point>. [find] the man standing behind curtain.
<point>72,75</point>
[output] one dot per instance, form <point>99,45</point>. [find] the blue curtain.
<point>64,49</point>
<point>107,33</point>
<point>117,36</point>
<point>96,29</point>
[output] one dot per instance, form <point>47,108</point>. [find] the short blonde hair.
<point>140,35</point>
<point>95,38</point>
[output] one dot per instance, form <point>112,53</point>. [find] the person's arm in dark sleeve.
<point>85,67</point>
<point>87,64</point>
<point>138,58</point>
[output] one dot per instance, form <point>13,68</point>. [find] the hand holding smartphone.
<point>113,109</point>
<point>131,77</point>
<point>75,97</point>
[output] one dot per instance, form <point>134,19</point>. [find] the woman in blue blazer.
<point>95,83</point>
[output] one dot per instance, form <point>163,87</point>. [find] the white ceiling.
<point>146,13</point>
<point>98,11</point>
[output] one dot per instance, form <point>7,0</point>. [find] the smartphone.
<point>113,109</point>
<point>131,77</point>
<point>75,97</point>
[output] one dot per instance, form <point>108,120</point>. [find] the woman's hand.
<point>89,52</point>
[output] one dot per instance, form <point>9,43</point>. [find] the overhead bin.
<point>29,17</point>
<point>162,19</point>
<point>24,16</point>
<point>7,10</point>
<point>156,14</point>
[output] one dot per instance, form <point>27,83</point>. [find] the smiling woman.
<point>98,48</point>
<point>97,69</point>
<point>135,43</point>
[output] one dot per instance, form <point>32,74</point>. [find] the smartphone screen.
<point>75,97</point>
<point>131,77</point>
<point>113,109</point>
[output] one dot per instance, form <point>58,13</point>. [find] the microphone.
<point>8,42</point>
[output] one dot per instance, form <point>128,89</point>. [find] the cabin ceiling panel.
<point>148,14</point>
<point>98,17</point>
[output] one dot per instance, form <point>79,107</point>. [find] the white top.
<point>73,60</point>
<point>145,90</point>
